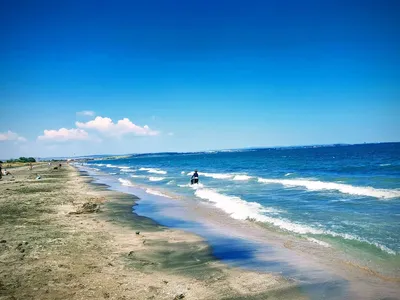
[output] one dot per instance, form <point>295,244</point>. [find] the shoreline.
<point>63,237</point>
<point>359,280</point>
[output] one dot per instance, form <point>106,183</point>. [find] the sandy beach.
<point>63,237</point>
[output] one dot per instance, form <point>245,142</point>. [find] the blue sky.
<point>200,74</point>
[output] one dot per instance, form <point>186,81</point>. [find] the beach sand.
<point>63,237</point>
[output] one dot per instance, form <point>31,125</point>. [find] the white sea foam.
<point>170,182</point>
<point>152,170</point>
<point>127,170</point>
<point>113,173</point>
<point>240,209</point>
<point>157,193</point>
<point>137,176</point>
<point>125,182</point>
<point>242,177</point>
<point>384,248</point>
<point>234,206</point>
<point>192,186</point>
<point>315,185</point>
<point>110,166</point>
<point>183,172</point>
<point>322,243</point>
<point>288,174</point>
<point>215,175</point>
<point>156,178</point>
<point>362,240</point>
<point>385,165</point>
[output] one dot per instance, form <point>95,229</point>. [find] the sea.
<point>342,197</point>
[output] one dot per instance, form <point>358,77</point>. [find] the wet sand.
<point>320,272</point>
<point>63,237</point>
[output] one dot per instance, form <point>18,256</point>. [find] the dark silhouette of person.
<point>195,178</point>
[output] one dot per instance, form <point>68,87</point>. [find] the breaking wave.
<point>240,209</point>
<point>156,178</point>
<point>315,185</point>
<point>152,170</point>
<point>242,177</point>
<point>125,182</point>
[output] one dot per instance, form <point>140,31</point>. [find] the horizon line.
<point>226,149</point>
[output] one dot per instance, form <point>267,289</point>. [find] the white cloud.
<point>63,135</point>
<point>86,113</point>
<point>122,127</point>
<point>11,136</point>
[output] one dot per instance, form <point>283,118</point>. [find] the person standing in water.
<point>195,177</point>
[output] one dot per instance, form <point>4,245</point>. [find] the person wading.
<point>195,178</point>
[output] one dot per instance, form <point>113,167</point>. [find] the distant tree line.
<point>22,160</point>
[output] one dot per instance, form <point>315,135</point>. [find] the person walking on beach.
<point>195,178</point>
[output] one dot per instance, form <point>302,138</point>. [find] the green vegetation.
<point>22,160</point>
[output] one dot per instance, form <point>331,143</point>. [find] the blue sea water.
<point>343,196</point>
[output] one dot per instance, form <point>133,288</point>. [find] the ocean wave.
<point>127,170</point>
<point>99,165</point>
<point>234,206</point>
<point>288,174</point>
<point>125,182</point>
<point>240,209</point>
<point>213,175</point>
<point>351,237</point>
<point>170,182</point>
<point>192,186</point>
<point>156,178</point>
<point>157,193</point>
<point>137,176</point>
<point>241,177</point>
<point>113,173</point>
<point>217,175</point>
<point>315,185</point>
<point>385,165</point>
<point>321,243</point>
<point>220,175</point>
<point>152,170</point>
<point>123,167</point>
